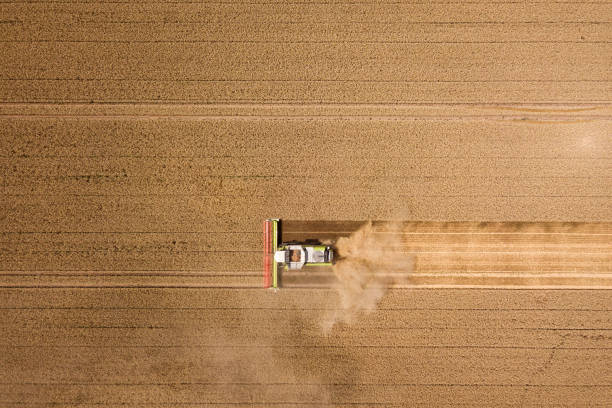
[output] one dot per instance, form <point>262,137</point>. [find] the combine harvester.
<point>282,256</point>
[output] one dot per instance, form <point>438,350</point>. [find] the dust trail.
<point>252,364</point>
<point>370,261</point>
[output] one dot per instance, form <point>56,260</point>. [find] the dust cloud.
<point>251,366</point>
<point>369,261</point>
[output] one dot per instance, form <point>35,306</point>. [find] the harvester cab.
<point>290,256</point>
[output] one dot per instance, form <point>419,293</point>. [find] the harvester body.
<point>290,256</point>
